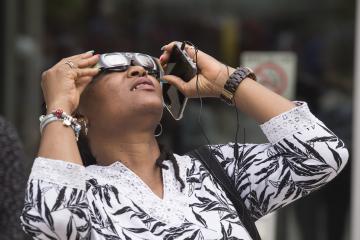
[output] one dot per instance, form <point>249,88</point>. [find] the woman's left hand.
<point>211,78</point>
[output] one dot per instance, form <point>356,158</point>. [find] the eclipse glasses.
<point>121,61</point>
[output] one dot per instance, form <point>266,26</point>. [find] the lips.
<point>142,83</point>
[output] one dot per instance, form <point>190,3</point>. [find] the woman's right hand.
<point>63,84</point>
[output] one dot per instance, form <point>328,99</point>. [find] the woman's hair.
<point>88,158</point>
<point>85,152</point>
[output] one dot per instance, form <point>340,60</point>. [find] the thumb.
<point>176,81</point>
<point>83,82</point>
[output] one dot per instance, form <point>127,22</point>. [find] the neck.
<point>135,150</point>
<point>138,151</point>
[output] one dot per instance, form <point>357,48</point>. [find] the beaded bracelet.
<point>60,115</point>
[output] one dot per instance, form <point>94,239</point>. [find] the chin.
<point>153,105</point>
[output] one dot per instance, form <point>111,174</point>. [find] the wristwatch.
<point>233,83</point>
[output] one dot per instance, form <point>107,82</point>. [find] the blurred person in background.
<point>117,182</point>
<point>12,181</point>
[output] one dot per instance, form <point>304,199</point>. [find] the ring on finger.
<point>70,64</point>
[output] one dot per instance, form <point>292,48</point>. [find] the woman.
<point>132,191</point>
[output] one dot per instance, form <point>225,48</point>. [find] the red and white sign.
<point>275,70</point>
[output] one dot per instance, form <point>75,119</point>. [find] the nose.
<point>136,71</point>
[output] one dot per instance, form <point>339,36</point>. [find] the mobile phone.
<point>182,66</point>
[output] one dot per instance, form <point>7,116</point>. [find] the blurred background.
<point>301,49</point>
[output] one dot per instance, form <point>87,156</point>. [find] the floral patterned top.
<point>69,201</point>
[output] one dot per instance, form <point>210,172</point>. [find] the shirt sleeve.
<point>56,206</point>
<point>302,155</point>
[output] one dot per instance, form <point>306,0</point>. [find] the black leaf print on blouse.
<point>156,225</point>
<point>29,217</point>
<point>194,235</point>
<point>59,199</point>
<point>110,224</point>
<point>126,236</point>
<point>312,153</point>
<point>48,217</point>
<point>199,218</point>
<point>77,211</point>
<point>69,228</point>
<point>336,156</point>
<point>45,209</point>
<point>224,233</point>
<point>104,192</point>
<point>122,210</point>
<point>229,231</point>
<point>176,233</point>
<point>38,197</point>
<point>83,228</point>
<point>73,196</point>
<point>96,216</point>
<point>324,139</point>
<point>115,192</point>
<point>284,182</point>
<point>29,194</point>
<point>136,230</point>
<point>107,195</point>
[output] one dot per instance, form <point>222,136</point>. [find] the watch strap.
<point>234,81</point>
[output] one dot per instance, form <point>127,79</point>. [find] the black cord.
<point>198,92</point>
<point>236,144</point>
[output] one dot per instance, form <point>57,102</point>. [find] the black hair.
<point>166,154</point>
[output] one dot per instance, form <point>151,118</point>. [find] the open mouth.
<point>143,83</point>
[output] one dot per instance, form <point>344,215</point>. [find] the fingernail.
<point>91,51</point>
<point>96,66</point>
<point>163,48</point>
<point>161,58</point>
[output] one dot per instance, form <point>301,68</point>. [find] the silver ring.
<point>70,64</point>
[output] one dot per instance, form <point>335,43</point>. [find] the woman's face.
<point>120,96</point>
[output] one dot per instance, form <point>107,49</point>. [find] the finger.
<point>76,58</point>
<point>176,81</point>
<point>85,72</point>
<point>87,62</point>
<point>195,54</point>
<point>83,82</point>
<point>167,49</point>
<point>81,56</point>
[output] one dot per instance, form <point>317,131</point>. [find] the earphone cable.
<point>198,93</point>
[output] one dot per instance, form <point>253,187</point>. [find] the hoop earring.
<point>161,129</point>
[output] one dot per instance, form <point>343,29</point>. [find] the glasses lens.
<point>145,61</point>
<point>115,59</point>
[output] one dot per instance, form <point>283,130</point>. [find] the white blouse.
<point>69,201</point>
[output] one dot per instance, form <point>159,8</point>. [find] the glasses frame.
<point>132,59</point>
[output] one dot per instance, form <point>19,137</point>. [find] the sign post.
<point>275,70</point>
<point>355,183</point>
